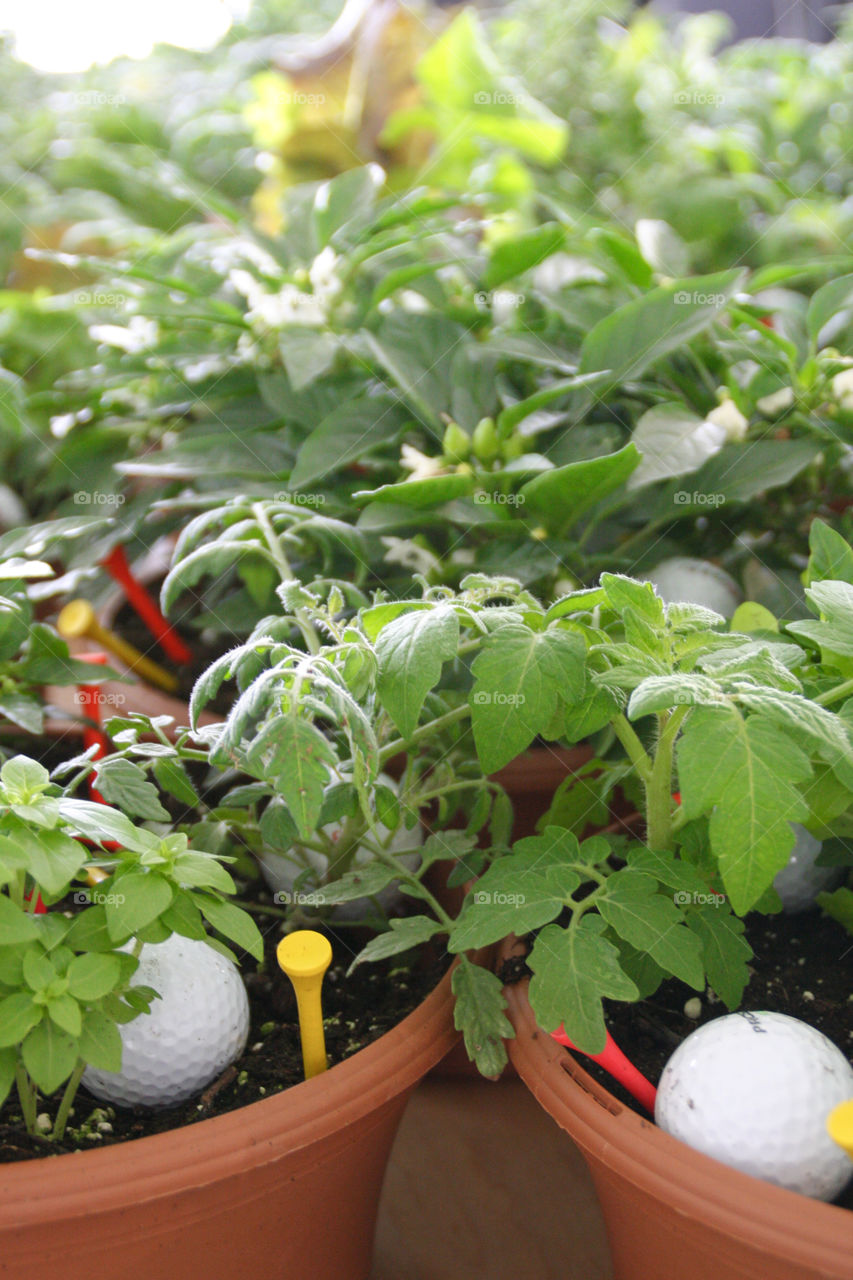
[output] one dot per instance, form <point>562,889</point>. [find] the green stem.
<point>636,752</point>
<point>309,635</point>
<point>833,695</point>
<point>426,730</point>
<point>67,1099</point>
<point>659,785</point>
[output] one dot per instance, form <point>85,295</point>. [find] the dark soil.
<point>357,1010</point>
<point>128,624</point>
<point>803,966</point>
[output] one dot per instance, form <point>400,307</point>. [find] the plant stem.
<point>67,1099</point>
<point>309,635</point>
<point>833,695</point>
<point>659,785</point>
<point>636,752</point>
<point>435,726</point>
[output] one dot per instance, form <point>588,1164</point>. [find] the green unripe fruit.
<point>456,443</point>
<point>513,448</point>
<point>485,440</point>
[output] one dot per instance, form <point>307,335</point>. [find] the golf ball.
<point>799,883</point>
<point>684,580</point>
<point>281,871</point>
<point>754,1090</point>
<point>197,1028</point>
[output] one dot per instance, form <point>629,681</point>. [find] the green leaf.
<point>673,441</point>
<point>519,892</point>
<point>91,976</point>
<point>480,1014</point>
<point>50,1055</point>
<point>625,593</point>
<point>574,969</point>
<point>517,254</point>
<point>404,933</point>
<point>433,491</point>
<point>349,432</point>
<point>307,354</point>
<point>233,922</point>
<point>651,922</point>
<point>135,899</point>
<point>172,777</point>
<point>18,1015</point>
<point>100,1042</point>
<point>24,710</point>
<point>65,1012</point>
<point>521,677</point>
<point>411,651</point>
<point>124,784</point>
<point>831,555</point>
<point>660,693</point>
<point>827,302</point>
<point>834,631</point>
<point>725,954</point>
<point>55,859</point>
<point>294,756</point>
<point>744,772</point>
<point>8,1064</point>
<point>561,496</point>
<point>184,917</point>
<point>16,926</point>
<point>362,882</point>
<point>99,822</point>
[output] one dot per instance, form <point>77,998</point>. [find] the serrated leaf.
<point>521,675</point>
<point>574,969</point>
<point>294,756</point>
<point>172,777</point>
<point>124,784</point>
<point>404,933</point>
<point>651,922</point>
<point>411,651</point>
<point>49,1055</point>
<point>725,954</point>
<point>480,1014</point>
<point>744,772</point>
<point>661,693</point>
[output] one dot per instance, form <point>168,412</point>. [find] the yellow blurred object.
<point>78,619</point>
<point>839,1126</point>
<point>305,956</point>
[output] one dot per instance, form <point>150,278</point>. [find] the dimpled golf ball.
<point>684,580</point>
<point>754,1090</point>
<point>799,883</point>
<point>197,1028</point>
<point>282,871</point>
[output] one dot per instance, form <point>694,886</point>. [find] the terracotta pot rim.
<point>250,1136</point>
<point>806,1231</point>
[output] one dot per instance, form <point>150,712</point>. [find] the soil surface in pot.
<point>802,966</point>
<point>357,1010</point>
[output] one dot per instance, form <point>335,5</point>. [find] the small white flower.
<point>777,402</point>
<point>842,388</point>
<point>411,556</point>
<point>139,334</point>
<point>419,464</point>
<point>728,416</point>
<point>321,273</point>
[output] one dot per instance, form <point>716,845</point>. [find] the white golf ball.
<point>281,871</point>
<point>799,883</point>
<point>684,580</point>
<point>197,1028</point>
<point>754,1090</point>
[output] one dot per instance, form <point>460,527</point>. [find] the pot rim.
<point>798,1228</point>
<point>74,1183</point>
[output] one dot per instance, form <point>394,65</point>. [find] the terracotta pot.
<point>669,1210</point>
<point>284,1187</point>
<point>531,779</point>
